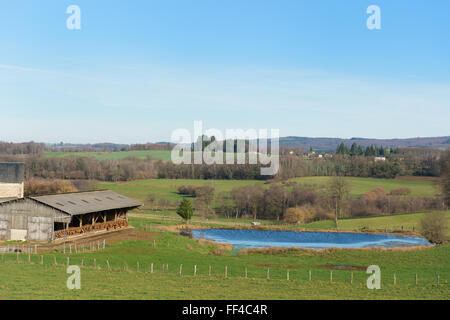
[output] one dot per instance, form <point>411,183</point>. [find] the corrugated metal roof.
<point>87,202</point>
<point>2,200</point>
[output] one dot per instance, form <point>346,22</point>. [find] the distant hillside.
<point>330,144</point>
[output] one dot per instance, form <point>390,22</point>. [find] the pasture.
<point>130,276</point>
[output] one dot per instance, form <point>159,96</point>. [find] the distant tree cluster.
<point>21,148</point>
<point>358,150</point>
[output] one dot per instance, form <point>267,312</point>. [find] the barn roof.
<point>3,200</point>
<point>87,202</point>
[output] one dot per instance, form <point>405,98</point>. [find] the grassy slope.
<point>408,221</point>
<point>167,188</point>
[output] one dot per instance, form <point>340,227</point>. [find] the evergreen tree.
<point>185,210</point>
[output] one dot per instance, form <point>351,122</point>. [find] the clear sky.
<point>137,70</point>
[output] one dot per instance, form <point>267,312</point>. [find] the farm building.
<point>45,218</point>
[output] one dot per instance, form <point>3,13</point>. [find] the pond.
<point>244,238</point>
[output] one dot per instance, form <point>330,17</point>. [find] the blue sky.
<point>137,70</point>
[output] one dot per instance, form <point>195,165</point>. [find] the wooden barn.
<point>45,218</point>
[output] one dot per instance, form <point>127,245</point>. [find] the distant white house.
<point>380,158</point>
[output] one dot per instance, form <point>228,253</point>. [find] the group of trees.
<point>21,148</point>
<point>369,151</point>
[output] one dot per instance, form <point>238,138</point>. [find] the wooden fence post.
<point>226,271</point>
<point>331,276</point>
<point>416,279</point>
<point>42,259</point>
<point>195,270</point>
<point>54,260</point>
<point>137,266</point>
<point>395,279</point>
<point>351,278</point>
<point>95,263</point>
<point>181,269</point>
<point>309,275</point>
<point>287,275</point>
<point>151,268</point>
<point>68,261</point>
<point>245,272</point>
<point>268,274</point>
<point>107,263</point>
<point>437,278</point>
<point>209,271</point>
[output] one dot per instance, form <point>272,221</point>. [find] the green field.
<point>159,247</point>
<point>154,154</point>
<point>35,281</point>
<point>406,222</point>
<point>167,188</point>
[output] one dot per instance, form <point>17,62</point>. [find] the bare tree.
<point>338,189</point>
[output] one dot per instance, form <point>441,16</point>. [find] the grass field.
<point>407,222</point>
<point>158,247</point>
<point>167,188</point>
<point>35,281</point>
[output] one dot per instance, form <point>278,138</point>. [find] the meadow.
<point>155,248</point>
<point>167,188</point>
<point>131,260</point>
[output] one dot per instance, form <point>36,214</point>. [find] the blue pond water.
<point>268,238</point>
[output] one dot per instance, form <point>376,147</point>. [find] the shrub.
<point>433,226</point>
<point>400,192</point>
<point>298,215</point>
<point>39,187</point>
<point>377,193</point>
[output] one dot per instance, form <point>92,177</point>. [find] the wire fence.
<point>222,271</point>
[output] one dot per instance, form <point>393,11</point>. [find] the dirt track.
<point>110,238</point>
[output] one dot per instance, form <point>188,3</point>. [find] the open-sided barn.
<point>45,218</point>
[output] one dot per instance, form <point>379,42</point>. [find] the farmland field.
<point>167,188</point>
<point>126,281</point>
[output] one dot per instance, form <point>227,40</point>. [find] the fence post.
<point>309,275</point>
<point>82,262</point>
<point>151,268</point>
<point>195,270</point>
<point>70,249</point>
<point>268,273</point>
<point>226,271</point>
<point>137,266</point>
<point>395,279</point>
<point>181,269</point>
<point>416,279</point>
<point>438,278</point>
<point>68,261</point>
<point>351,278</point>
<point>287,275</point>
<point>95,263</point>
<point>17,256</point>
<point>29,256</point>
<point>42,259</point>
<point>64,251</point>
<point>54,260</point>
<point>331,276</point>
<point>245,272</point>
<point>209,271</point>
<point>107,263</point>
<point>35,249</point>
